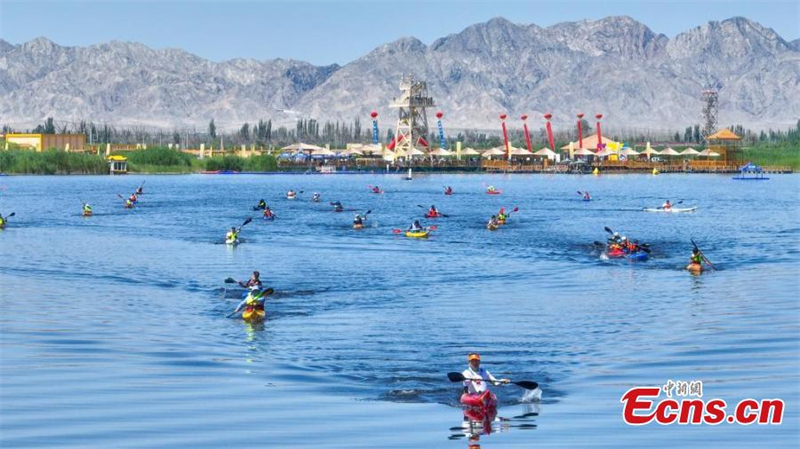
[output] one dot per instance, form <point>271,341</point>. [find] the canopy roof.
<point>724,134</point>
<point>441,152</point>
<point>629,152</point>
<point>520,152</point>
<point>708,153</point>
<point>469,152</point>
<point>669,152</point>
<point>300,146</point>
<point>547,152</point>
<point>493,152</point>
<point>583,152</point>
<point>589,143</point>
<point>689,152</point>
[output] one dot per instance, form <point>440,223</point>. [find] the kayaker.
<point>667,205</point>
<point>261,205</point>
<point>128,204</point>
<point>416,227</point>
<point>87,209</point>
<point>696,257</point>
<point>268,215</point>
<point>3,221</point>
<point>255,298</point>
<point>491,189</point>
<point>254,281</point>
<point>133,198</point>
<point>232,235</point>
<point>586,196</point>
<point>478,376</point>
<point>337,206</point>
<point>448,190</point>
<point>615,238</point>
<point>291,194</point>
<point>358,220</point>
<point>139,191</point>
<point>432,212</point>
<point>493,222</point>
<point>376,189</point>
<point>501,215</point>
<point>316,197</point>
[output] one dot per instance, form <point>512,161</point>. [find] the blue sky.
<point>325,32</point>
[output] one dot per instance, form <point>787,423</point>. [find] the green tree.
<point>212,129</point>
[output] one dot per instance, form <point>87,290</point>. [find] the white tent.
<point>669,152</point>
<point>546,152</point>
<point>583,152</point>
<point>300,146</point>
<point>469,152</point>
<point>416,152</point>
<point>520,152</point>
<point>352,152</point>
<point>493,152</point>
<point>441,152</point>
<point>629,152</point>
<point>708,153</point>
<point>689,152</point>
<point>322,152</point>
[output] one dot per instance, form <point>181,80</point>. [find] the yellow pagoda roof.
<point>724,134</point>
<point>117,158</point>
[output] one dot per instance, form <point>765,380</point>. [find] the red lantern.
<point>524,117</point>
<point>373,114</point>
<point>439,114</point>
<point>580,115</point>
<point>598,116</point>
<point>548,116</point>
<point>503,116</point>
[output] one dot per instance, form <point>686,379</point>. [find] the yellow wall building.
<point>39,142</point>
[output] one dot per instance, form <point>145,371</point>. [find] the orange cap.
<point>474,356</point>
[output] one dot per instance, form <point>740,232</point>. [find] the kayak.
<point>429,215</point>
<point>695,268</point>
<point>493,192</point>
<point>492,227</point>
<point>87,213</point>
<point>128,206</point>
<point>485,400</point>
<point>270,218</point>
<point>233,242</point>
<point>338,209</point>
<point>674,210</point>
<point>587,199</point>
<point>358,226</point>
<point>448,193</point>
<point>252,314</point>
<point>290,197</point>
<point>619,254</point>
<point>417,234</point>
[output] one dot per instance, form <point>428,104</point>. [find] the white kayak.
<point>233,242</point>
<point>674,210</point>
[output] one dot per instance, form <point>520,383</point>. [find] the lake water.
<point>113,331</point>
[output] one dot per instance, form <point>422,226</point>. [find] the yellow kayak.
<point>358,226</point>
<point>695,268</point>
<point>492,227</point>
<point>417,234</point>
<point>252,315</point>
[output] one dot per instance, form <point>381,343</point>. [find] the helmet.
<point>256,274</point>
<point>616,234</point>
<point>624,238</point>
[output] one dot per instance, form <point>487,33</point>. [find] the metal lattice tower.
<point>412,120</point>
<point>710,98</point>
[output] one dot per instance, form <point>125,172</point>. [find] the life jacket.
<point>697,258</point>
<point>231,236</point>
<point>433,212</point>
<point>255,302</point>
<point>87,208</point>
<point>631,247</point>
<point>267,213</point>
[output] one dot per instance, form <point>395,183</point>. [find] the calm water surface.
<point>113,329</point>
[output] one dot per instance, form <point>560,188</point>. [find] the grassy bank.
<point>51,162</point>
<point>774,154</point>
<point>264,162</point>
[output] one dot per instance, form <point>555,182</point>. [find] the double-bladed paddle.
<point>705,259</point>
<point>266,292</point>
<point>526,384</point>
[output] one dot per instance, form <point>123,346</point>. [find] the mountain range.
<point>615,66</point>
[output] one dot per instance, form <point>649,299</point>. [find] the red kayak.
<point>493,192</point>
<point>430,215</point>
<point>485,400</point>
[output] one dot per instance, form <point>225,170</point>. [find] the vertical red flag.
<point>505,136</point>
<point>580,130</point>
<point>550,131</point>
<point>599,134</point>
<point>527,134</point>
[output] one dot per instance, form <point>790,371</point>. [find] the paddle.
<point>429,228</point>
<point>266,292</point>
<point>245,222</point>
<point>526,384</point>
<point>10,215</point>
<point>441,214</point>
<point>139,190</point>
<point>705,259</point>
